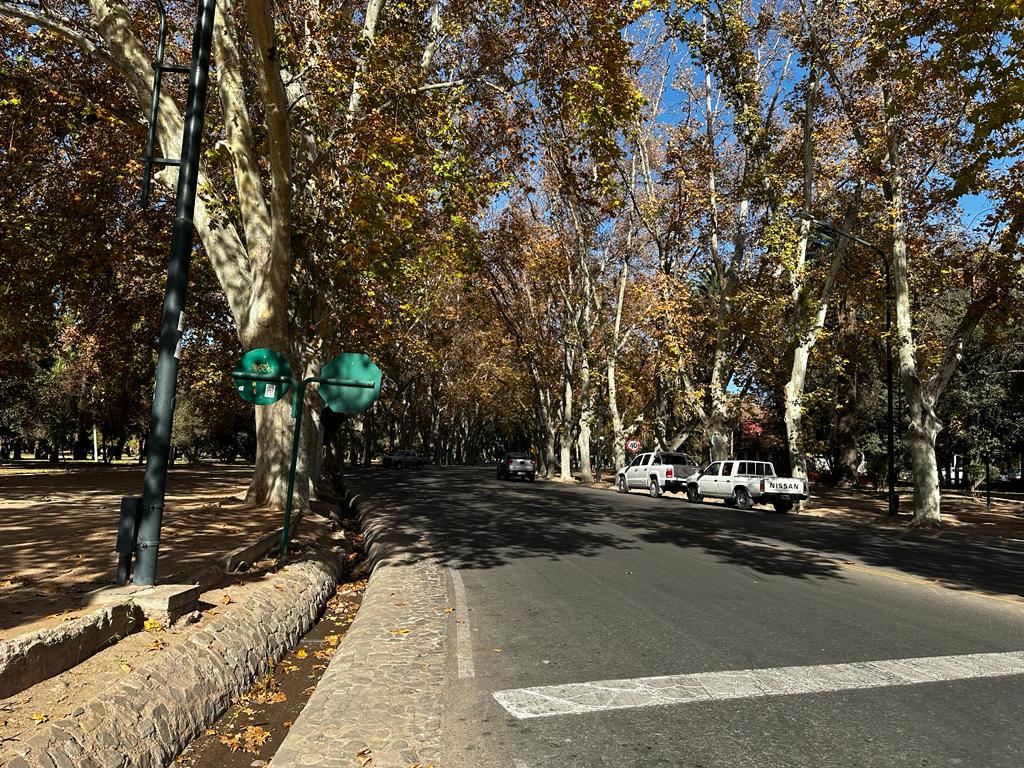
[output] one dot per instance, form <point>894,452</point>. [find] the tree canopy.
<point>553,225</point>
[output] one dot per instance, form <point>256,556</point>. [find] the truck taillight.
<point>668,471</point>
<point>762,485</point>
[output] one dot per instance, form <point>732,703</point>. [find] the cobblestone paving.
<point>381,697</point>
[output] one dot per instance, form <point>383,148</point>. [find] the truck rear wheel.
<point>654,488</point>
<point>741,496</point>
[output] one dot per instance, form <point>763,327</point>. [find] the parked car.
<point>517,464</point>
<point>403,459</point>
<point>745,483</point>
<point>658,471</point>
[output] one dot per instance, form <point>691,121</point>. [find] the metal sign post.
<point>339,387</point>
<point>159,443</point>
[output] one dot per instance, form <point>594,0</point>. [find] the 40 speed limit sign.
<point>632,445</point>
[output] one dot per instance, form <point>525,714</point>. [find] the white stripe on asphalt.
<point>580,698</point>
<point>463,639</point>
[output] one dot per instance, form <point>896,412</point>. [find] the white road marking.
<point>604,695</point>
<point>463,639</point>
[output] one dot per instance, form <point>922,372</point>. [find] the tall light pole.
<point>158,445</point>
<point>829,229</point>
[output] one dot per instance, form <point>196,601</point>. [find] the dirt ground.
<point>57,535</point>
<point>58,530</point>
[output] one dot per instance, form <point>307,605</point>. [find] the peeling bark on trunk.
<point>618,433</point>
<point>924,425</point>
<point>565,438</point>
<point>586,414</point>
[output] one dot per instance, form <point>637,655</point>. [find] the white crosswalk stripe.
<point>604,695</point>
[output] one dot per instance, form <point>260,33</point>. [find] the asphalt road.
<point>558,587</point>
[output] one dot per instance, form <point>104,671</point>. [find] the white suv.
<point>745,483</point>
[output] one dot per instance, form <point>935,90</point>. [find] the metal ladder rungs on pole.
<point>159,68</point>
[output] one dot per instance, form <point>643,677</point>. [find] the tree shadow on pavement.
<point>474,521</point>
<point>470,527</point>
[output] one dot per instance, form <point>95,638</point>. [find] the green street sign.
<point>262,376</point>
<point>350,382</point>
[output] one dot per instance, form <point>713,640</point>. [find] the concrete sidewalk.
<point>380,702</point>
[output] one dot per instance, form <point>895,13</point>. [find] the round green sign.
<point>353,382</point>
<point>262,376</point>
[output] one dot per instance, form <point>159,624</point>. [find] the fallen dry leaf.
<point>231,741</point>
<point>400,631</point>
<point>254,737</point>
<point>152,626</point>
<point>301,654</point>
<point>449,610</point>
<point>365,758</point>
<point>498,650</point>
<point>226,600</point>
<point>156,645</point>
<point>324,653</point>
<point>39,717</point>
<point>125,667</point>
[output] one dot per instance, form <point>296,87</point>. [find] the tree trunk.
<point>847,396</point>
<point>718,434</point>
<point>618,433</point>
<point>920,437</point>
<point>565,438</point>
<point>586,415</point>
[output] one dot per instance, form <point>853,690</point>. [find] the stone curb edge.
<point>250,553</point>
<point>36,656</point>
<point>151,714</point>
<point>382,697</point>
<point>31,658</point>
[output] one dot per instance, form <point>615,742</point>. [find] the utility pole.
<point>158,446</point>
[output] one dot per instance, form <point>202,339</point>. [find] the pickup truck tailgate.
<point>785,485</point>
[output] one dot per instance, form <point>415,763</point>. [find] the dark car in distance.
<point>517,464</point>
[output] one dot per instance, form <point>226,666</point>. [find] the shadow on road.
<point>475,521</point>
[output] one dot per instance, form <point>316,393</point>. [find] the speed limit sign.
<point>632,445</point>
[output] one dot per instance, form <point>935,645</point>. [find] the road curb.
<point>31,658</point>
<point>151,714</point>
<point>382,695</point>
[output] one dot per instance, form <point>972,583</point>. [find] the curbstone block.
<point>148,717</point>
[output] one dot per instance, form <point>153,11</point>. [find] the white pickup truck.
<point>745,483</point>
<point>657,472</point>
